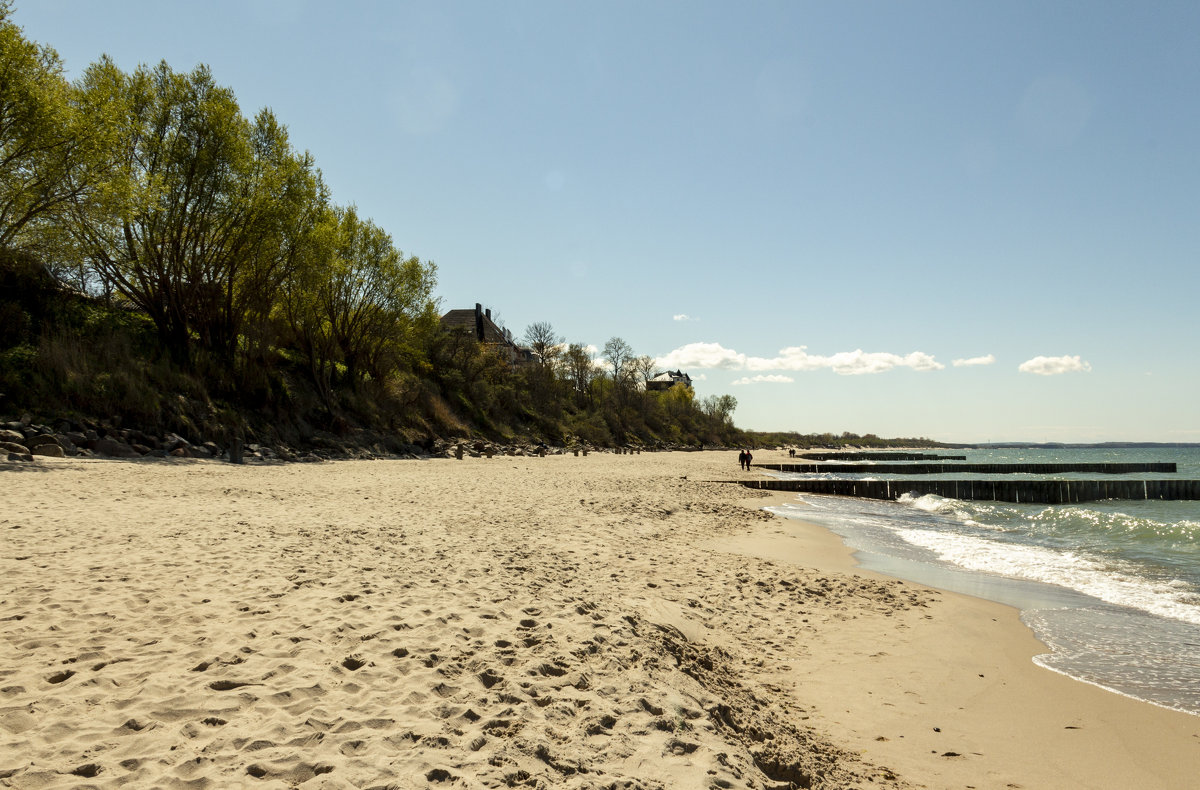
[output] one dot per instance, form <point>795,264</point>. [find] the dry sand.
<point>599,622</point>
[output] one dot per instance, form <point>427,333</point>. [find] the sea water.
<point>1112,588</point>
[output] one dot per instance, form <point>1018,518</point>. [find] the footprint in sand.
<point>229,685</point>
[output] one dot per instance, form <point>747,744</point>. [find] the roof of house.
<point>469,320</point>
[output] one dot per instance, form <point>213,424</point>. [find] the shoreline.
<point>567,621</point>
<point>1069,729</point>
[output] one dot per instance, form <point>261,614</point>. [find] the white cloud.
<point>988,360</point>
<point>845,363</point>
<point>1052,366</point>
<point>684,317</point>
<point>773,378</point>
<point>703,355</point>
<point>853,363</point>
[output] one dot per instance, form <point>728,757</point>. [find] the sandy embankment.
<point>599,622</point>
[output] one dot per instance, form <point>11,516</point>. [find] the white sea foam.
<point>1113,582</point>
<point>954,508</point>
<point>1134,626</point>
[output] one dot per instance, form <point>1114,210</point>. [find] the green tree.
<point>355,303</point>
<point>291,199</point>
<point>50,146</point>
<point>204,215</point>
<point>180,212</point>
<point>720,409</point>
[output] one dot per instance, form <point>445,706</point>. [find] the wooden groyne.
<point>982,469</point>
<point>1050,492</point>
<point>880,457</point>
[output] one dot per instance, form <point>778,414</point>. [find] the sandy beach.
<point>586,622</point>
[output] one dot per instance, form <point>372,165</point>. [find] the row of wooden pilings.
<point>983,469</point>
<point>881,456</point>
<point>1051,492</point>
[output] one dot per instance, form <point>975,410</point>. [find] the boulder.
<point>20,457</point>
<point>7,435</point>
<point>114,449</point>
<point>142,438</point>
<point>39,439</point>
<point>13,447</point>
<point>173,441</point>
<point>48,450</point>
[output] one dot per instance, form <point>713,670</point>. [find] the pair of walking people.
<point>744,459</point>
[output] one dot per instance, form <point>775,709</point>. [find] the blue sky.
<point>823,209</point>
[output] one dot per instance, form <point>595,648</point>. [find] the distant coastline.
<point>1068,445</point>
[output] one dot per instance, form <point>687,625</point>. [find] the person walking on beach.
<point>742,459</point>
<point>749,458</point>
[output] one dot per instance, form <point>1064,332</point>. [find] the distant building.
<point>672,378</point>
<point>479,324</point>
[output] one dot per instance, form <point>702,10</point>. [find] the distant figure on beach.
<point>749,458</point>
<point>742,459</point>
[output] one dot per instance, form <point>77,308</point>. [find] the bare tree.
<point>581,370</point>
<point>545,342</point>
<point>619,355</point>
<point>541,338</point>
<point>646,367</point>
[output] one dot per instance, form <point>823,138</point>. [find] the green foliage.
<point>52,150</point>
<point>166,259</point>
<point>203,212</point>
<point>354,300</point>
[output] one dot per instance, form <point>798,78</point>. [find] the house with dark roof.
<point>479,324</point>
<point>671,378</point>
